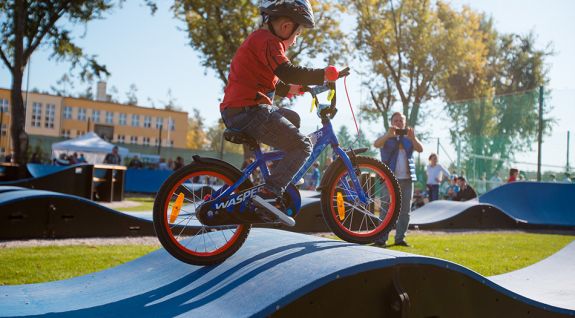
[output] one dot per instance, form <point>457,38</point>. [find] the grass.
<point>27,265</point>
<point>145,204</point>
<point>488,253</point>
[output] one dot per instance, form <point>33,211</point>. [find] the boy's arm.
<point>289,73</point>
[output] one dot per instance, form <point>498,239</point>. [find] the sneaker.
<point>402,243</point>
<point>271,203</point>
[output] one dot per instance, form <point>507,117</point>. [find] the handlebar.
<point>316,90</point>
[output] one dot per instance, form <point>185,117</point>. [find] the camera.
<point>401,132</point>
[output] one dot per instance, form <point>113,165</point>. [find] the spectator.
<point>552,178</point>
<point>397,146</point>
<point>179,163</point>
<point>435,172</point>
<point>136,163</point>
<point>482,184</point>
<point>170,164</point>
<point>453,188</point>
<point>495,181</point>
<point>113,158</point>
<point>163,165</point>
<point>315,177</point>
<point>513,174</point>
<point>466,192</point>
<point>567,178</point>
<point>73,159</point>
<point>81,159</point>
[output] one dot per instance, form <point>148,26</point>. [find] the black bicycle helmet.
<point>299,11</point>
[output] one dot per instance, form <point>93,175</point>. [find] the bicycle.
<point>203,212</point>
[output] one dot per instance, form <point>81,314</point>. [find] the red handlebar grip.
<point>331,73</point>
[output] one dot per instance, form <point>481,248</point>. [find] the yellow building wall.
<point>75,126</point>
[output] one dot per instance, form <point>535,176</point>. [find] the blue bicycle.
<point>203,212</point>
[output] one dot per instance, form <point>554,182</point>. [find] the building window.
<point>146,141</point>
<point>171,144</point>
<point>171,124</point>
<point>4,130</point>
<point>109,117</point>
<point>4,106</point>
<point>122,119</point>
<point>2,151</point>
<point>80,133</point>
<point>133,139</point>
<point>95,116</point>
<point>147,122</point>
<point>159,122</point>
<point>121,139</point>
<point>81,114</point>
<point>66,133</point>
<point>36,114</point>
<point>50,115</point>
<point>157,142</point>
<point>67,112</point>
<point>135,120</point>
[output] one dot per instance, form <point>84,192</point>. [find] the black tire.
<point>359,223</point>
<point>181,241</point>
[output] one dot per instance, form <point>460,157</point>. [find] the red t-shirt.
<point>252,80</point>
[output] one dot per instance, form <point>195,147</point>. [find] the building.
<point>54,118</point>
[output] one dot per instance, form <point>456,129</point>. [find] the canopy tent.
<point>91,145</point>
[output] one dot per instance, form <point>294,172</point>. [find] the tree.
<point>132,96</point>
<point>496,106</point>
<point>25,25</point>
<point>410,45</point>
<point>196,137</point>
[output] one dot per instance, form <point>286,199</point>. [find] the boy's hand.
<point>331,74</point>
<point>294,90</point>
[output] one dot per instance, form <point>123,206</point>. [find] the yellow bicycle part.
<point>340,208</point>
<point>313,104</point>
<point>176,208</point>
<point>331,95</point>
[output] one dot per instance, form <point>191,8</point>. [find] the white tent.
<point>91,145</point>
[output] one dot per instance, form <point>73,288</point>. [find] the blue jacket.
<point>390,150</point>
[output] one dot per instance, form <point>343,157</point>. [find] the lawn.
<point>488,253</point>
<point>26,265</point>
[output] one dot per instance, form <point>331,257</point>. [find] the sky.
<point>153,53</point>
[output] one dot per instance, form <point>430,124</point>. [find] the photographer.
<point>397,147</point>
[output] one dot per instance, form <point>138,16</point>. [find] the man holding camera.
<point>397,147</point>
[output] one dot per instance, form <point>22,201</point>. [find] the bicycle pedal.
<point>282,217</point>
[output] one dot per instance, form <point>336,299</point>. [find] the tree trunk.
<point>19,136</point>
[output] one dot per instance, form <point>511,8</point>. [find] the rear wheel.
<point>175,221</point>
<point>349,218</point>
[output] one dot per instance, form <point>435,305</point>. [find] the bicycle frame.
<point>323,137</point>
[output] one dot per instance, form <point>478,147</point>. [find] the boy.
<point>258,71</point>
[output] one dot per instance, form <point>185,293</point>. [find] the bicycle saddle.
<point>237,137</point>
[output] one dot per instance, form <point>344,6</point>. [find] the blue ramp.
<point>283,274</point>
<point>540,203</point>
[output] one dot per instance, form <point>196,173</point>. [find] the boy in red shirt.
<point>258,71</point>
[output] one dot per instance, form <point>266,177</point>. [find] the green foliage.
<point>196,137</point>
<point>215,140</point>
<point>410,45</point>
<point>495,107</point>
<point>25,25</point>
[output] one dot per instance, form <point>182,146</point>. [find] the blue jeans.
<point>433,190</point>
<point>406,187</point>
<point>276,127</point>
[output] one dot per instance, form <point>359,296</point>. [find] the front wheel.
<point>349,218</point>
<point>175,220</point>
